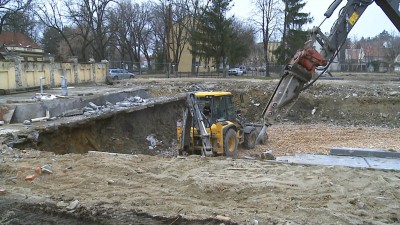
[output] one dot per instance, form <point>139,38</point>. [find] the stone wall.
<point>18,75</point>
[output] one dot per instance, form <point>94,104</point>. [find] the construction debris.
<point>72,205</point>
<point>46,169</point>
<point>153,142</point>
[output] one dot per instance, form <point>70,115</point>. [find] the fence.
<point>18,75</point>
<point>184,70</point>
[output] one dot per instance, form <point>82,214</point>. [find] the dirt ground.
<point>362,111</point>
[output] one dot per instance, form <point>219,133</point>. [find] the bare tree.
<point>133,31</point>
<point>10,7</point>
<point>91,19</point>
<point>197,10</point>
<point>180,34</point>
<point>268,23</point>
<point>147,37</point>
<point>51,15</point>
<point>173,24</point>
<point>241,41</point>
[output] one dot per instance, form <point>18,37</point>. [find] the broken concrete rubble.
<point>152,141</point>
<point>93,109</point>
<point>13,111</point>
<point>72,205</point>
<point>47,169</point>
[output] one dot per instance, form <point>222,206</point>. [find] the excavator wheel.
<point>250,140</point>
<point>230,143</point>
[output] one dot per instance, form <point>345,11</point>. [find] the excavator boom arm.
<point>391,9</point>
<point>298,74</point>
<point>194,114</point>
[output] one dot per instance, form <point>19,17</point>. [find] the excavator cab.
<point>209,126</point>
<point>220,104</point>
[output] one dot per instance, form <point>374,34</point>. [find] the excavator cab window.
<point>206,103</point>
<point>231,115</point>
<point>223,108</point>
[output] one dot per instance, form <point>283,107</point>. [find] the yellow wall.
<point>32,71</point>
<point>185,64</point>
<point>272,46</point>
<point>7,75</point>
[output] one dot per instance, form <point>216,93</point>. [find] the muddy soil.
<point>362,111</point>
<point>348,102</point>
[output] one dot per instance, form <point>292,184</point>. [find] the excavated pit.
<point>127,130</point>
<point>124,131</point>
<point>28,211</point>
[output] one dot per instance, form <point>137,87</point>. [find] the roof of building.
<point>354,54</point>
<point>375,49</point>
<point>15,39</point>
<point>397,59</point>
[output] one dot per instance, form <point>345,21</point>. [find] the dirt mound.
<point>132,187</point>
<point>344,102</point>
<point>119,187</point>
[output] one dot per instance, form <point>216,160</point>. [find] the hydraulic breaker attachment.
<point>295,75</point>
<point>299,72</point>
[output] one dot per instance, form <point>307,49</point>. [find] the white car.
<point>117,74</point>
<point>235,72</point>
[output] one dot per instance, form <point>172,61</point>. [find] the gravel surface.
<point>100,188</point>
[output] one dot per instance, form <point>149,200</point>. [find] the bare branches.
<point>9,8</point>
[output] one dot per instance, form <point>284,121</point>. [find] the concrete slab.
<point>331,78</point>
<point>330,160</point>
<point>364,152</point>
<point>21,110</point>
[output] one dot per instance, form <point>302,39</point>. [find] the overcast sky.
<point>370,24</point>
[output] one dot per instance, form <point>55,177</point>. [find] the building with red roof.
<point>17,44</point>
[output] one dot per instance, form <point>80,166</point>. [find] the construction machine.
<point>223,130</point>
<point>300,74</point>
<point>210,126</point>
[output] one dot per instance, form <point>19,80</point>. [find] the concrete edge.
<point>364,152</point>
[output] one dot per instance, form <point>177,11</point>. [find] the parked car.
<point>235,72</point>
<point>262,69</point>
<point>117,74</point>
<point>243,69</point>
<point>143,69</point>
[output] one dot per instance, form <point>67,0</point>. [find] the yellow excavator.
<point>210,126</point>
<point>223,130</point>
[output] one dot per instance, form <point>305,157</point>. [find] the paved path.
<point>351,161</point>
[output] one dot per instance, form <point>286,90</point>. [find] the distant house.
<point>354,60</point>
<point>17,44</point>
<point>256,59</point>
<point>354,55</point>
<point>376,51</point>
<point>397,64</point>
<point>377,55</point>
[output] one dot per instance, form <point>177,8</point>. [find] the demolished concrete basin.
<point>57,107</point>
<point>119,131</point>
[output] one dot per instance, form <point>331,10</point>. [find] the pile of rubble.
<point>94,110</point>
